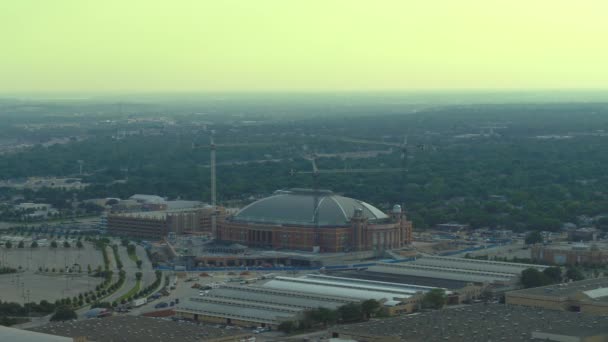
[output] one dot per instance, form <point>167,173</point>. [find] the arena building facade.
<point>306,220</point>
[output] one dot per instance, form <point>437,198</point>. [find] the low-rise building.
<point>454,273</point>
<point>288,298</point>
<point>585,296</point>
<point>452,227</point>
<point>583,234</point>
<point>574,254</point>
<point>254,306</point>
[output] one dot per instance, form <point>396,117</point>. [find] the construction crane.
<point>212,165</point>
<point>80,163</point>
<point>315,172</point>
<point>404,147</point>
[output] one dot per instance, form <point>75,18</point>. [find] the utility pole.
<point>213,188</point>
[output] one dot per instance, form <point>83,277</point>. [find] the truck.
<point>139,302</point>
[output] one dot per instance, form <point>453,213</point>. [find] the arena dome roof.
<point>295,207</point>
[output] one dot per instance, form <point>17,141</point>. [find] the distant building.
<point>33,206</point>
<point>575,254</point>
<point>158,224</point>
<point>300,219</point>
<point>585,296</point>
<point>147,198</point>
<point>287,298</point>
<point>583,234</point>
<point>452,227</point>
<point>453,273</point>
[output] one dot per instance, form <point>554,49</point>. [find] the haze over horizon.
<point>271,45</point>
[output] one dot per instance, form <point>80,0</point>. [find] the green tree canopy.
<point>575,274</point>
<point>434,299</point>
<point>534,237</point>
<point>287,327</point>
<point>370,307</point>
<point>531,277</point>
<point>64,313</point>
<point>323,315</point>
<point>554,273</point>
<point>350,312</point>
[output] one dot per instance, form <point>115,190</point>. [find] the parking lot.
<point>29,284</point>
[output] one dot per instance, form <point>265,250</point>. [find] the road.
<point>146,267</point>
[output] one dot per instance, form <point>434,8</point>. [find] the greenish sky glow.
<point>309,45</point>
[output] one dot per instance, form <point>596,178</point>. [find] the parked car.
<point>161,305</point>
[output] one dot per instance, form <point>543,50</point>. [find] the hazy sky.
<point>312,45</point>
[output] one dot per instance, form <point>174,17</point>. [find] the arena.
<point>306,220</point>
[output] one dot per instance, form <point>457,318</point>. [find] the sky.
<point>301,45</point>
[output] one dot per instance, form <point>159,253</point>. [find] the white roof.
<point>346,287</point>
<point>18,335</point>
<point>597,293</point>
<point>147,198</point>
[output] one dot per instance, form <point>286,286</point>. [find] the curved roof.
<point>296,206</point>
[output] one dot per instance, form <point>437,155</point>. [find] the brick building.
<point>290,220</point>
<point>577,254</point>
<point>157,224</point>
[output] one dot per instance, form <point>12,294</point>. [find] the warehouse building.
<point>456,271</point>
<point>287,298</point>
<point>254,306</point>
<point>352,288</point>
<point>586,296</point>
<point>480,323</point>
<point>307,220</point>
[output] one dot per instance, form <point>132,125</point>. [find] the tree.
<point>287,326</point>
<point>534,237</point>
<point>53,244</point>
<point>434,299</point>
<point>124,242</point>
<point>575,274</point>
<point>79,244</point>
<point>64,313</point>
<point>554,273</point>
<point>34,244</point>
<point>138,275</point>
<point>139,262</point>
<point>21,244</point>
<point>531,277</point>
<point>66,244</point>
<point>8,244</point>
<point>323,315</point>
<point>350,312</point>
<point>370,307</point>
